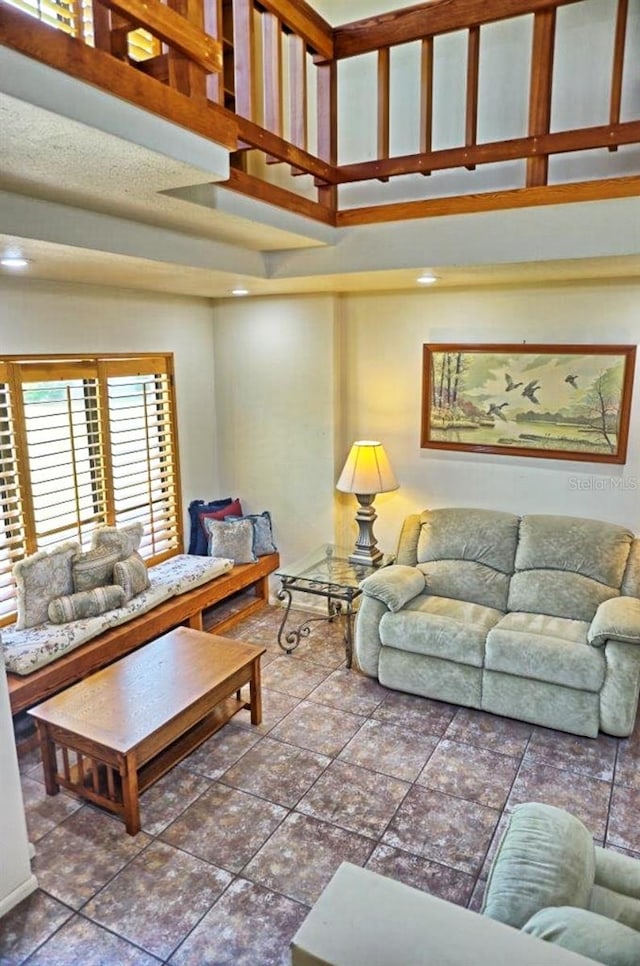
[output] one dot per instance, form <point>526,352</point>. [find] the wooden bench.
<point>29,689</point>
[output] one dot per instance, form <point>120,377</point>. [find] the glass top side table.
<point>325,572</point>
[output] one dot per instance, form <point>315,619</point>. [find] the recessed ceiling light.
<point>427,278</point>
<point>239,291</point>
<point>13,261</point>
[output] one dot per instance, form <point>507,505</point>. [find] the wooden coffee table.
<point>122,728</point>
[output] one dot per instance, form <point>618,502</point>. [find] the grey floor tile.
<point>158,898</point>
<point>248,926</point>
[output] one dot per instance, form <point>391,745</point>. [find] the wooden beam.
<point>428,19</point>
<point>185,75</point>
<point>557,194</point>
<point>544,34</point>
<point>272,194</point>
<point>173,29</point>
<point>618,63</point>
<point>243,38</point>
<point>426,96</point>
<point>473,73</point>
<point>303,20</point>
<point>383,104</point>
<point>56,49</point>
<point>559,142</point>
<point>271,76</point>
<point>254,136</point>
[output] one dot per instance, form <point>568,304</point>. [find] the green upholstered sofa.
<point>534,617</point>
<point>549,880</point>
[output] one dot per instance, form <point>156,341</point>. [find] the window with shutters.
<point>75,17</point>
<point>85,443</point>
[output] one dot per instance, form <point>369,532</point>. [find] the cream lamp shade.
<point>366,472</point>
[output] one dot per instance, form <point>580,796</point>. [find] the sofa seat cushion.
<point>552,649</point>
<point>454,630</point>
<point>186,572</point>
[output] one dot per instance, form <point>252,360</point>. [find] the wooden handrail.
<point>427,20</point>
<point>491,152</point>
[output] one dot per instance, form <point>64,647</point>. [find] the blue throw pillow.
<point>197,536</point>
<point>262,532</point>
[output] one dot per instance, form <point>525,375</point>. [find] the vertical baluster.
<point>80,768</point>
<point>383,103</point>
<point>426,97</point>
<point>327,106</point>
<point>272,77</point>
<point>473,71</point>
<point>243,34</point>
<point>184,75</point>
<point>65,764</point>
<point>544,30</point>
<point>618,65</point>
<point>297,94</point>
<point>111,792</point>
<point>95,783</point>
<point>213,27</point>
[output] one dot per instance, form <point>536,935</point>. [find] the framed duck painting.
<point>568,402</point>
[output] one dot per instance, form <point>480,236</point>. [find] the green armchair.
<point>549,880</point>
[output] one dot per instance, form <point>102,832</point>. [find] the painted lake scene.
<point>562,402</point>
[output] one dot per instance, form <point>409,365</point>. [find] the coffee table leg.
<point>255,693</point>
<point>131,804</point>
<point>49,764</point>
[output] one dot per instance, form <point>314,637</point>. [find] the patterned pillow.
<point>231,509</point>
<point>86,603</point>
<point>197,536</point>
<point>262,532</point>
<point>231,538</point>
<point>93,568</point>
<point>126,539</point>
<point>131,574</point>
<point>39,579</point>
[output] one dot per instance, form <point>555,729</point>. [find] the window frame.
<point>163,518</point>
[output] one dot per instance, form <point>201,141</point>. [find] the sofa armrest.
<point>616,619</point>
<point>394,586</point>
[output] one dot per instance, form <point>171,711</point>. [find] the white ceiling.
<point>89,204</point>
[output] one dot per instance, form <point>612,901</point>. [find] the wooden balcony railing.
<point>262,77</point>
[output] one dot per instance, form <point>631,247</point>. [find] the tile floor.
<point>240,839</point>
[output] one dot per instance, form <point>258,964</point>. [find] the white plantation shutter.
<point>84,443</point>
<point>65,452</point>
<point>143,451</point>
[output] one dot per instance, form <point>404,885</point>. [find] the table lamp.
<point>366,472</point>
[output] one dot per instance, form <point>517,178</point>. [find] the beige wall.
<point>276,387</point>
<point>299,378</point>
<point>40,317</point>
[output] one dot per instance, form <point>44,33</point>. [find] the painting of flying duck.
<point>569,402</point>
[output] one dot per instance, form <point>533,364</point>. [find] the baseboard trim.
<point>23,890</point>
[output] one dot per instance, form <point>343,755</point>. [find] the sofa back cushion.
<point>468,554</point>
<point>566,566</point>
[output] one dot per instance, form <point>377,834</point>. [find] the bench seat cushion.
<point>29,649</point>
<point>186,572</point>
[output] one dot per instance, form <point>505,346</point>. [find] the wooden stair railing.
<point>208,53</point>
